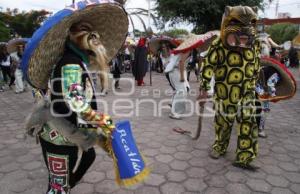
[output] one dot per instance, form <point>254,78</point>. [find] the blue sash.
<point>129,164</point>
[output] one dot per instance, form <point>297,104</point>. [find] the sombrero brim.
<point>13,44</point>
<point>155,43</point>
<point>48,42</point>
<point>201,42</point>
<point>286,87</point>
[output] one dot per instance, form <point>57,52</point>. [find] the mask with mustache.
<point>83,35</point>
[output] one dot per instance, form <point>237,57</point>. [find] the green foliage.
<point>24,24</point>
<point>175,33</point>
<point>204,14</point>
<point>4,32</point>
<point>282,32</point>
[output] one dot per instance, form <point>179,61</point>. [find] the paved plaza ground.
<point>178,164</point>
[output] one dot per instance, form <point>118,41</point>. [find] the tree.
<point>24,24</point>
<point>175,33</point>
<point>204,14</point>
<point>282,32</point>
<point>4,32</point>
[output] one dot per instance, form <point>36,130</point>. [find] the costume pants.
<point>247,131</point>
<point>19,80</point>
<point>5,73</point>
<point>60,161</point>
<point>180,96</point>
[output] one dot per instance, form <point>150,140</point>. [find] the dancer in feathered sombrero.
<point>60,51</point>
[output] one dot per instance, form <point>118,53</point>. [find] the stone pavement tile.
<point>83,188</point>
<point>160,168</point>
<point>4,152</point>
<point>271,169</point>
<point>25,158</point>
<point>21,185</point>
<point>5,160</point>
<point>277,181</point>
<point>143,140</point>
<point>9,167</point>
<point>93,177</point>
<point>199,153</point>
<point>196,172</point>
<point>185,148</point>
<point>236,177</point>
<point>155,180</point>
<point>146,190</point>
<point>106,186</point>
<point>297,162</point>
<point>195,185</point>
<point>35,190</point>
<point>110,174</point>
<point>259,185</point>
<point>197,162</point>
<point>179,165</point>
<point>176,176</point>
<point>37,150</point>
<point>123,191</point>
<point>295,155</point>
<point>268,160</point>
<point>165,158</point>
<point>167,150</point>
<point>150,152</point>
<point>214,167</point>
<point>291,147</point>
<point>102,165</point>
<point>259,174</point>
<point>293,177</point>
<point>2,146</point>
<point>173,188</point>
<point>183,155</point>
<point>288,166</point>
<point>281,191</point>
<point>171,143</point>
<point>215,191</point>
<point>237,188</point>
<point>295,188</point>
<point>41,173</point>
<point>31,165</point>
<point>282,157</point>
<point>153,144</point>
<point>216,181</point>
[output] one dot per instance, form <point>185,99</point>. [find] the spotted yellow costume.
<point>233,60</point>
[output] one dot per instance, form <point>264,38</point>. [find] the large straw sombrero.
<point>193,41</point>
<point>13,44</point>
<point>47,44</point>
<point>286,87</point>
<point>155,43</point>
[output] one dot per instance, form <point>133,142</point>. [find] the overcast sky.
<point>291,6</point>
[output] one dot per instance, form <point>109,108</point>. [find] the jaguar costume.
<point>233,59</point>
